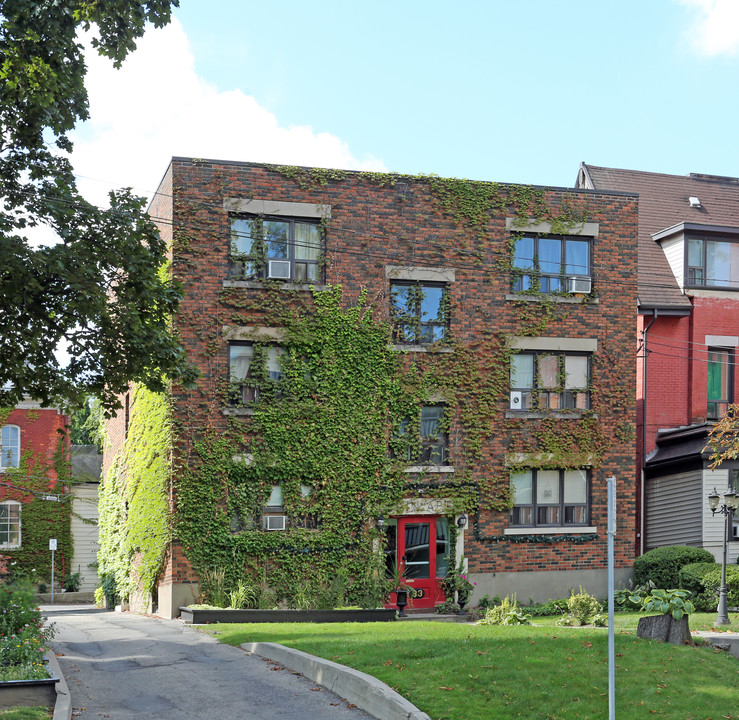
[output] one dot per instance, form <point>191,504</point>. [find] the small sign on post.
<point>52,547</point>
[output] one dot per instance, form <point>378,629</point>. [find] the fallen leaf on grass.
<point>446,688</point>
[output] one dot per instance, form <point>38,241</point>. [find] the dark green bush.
<point>692,578</point>
<point>712,584</point>
<point>704,580</point>
<point>662,565</point>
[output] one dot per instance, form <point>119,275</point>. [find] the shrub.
<point>582,608</point>
<point>507,613</point>
<point>662,565</point>
<point>243,595</point>
<point>446,608</point>
<point>692,579</point>
<point>72,582</point>
<point>704,579</point>
<point>23,638</point>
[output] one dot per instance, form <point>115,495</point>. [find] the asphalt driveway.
<point>126,666</point>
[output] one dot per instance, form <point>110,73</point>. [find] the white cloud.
<point>156,107</point>
<point>716,27</point>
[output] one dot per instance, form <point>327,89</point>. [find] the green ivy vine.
<point>321,433</point>
<point>134,502</point>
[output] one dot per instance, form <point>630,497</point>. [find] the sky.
<point>509,92</point>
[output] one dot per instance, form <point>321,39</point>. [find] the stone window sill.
<point>422,348</point>
<point>429,469</point>
<point>575,530</point>
<point>538,414</point>
<point>237,411</point>
<point>576,300</point>
<point>259,285</point>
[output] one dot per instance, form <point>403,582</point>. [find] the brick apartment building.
<point>34,460</point>
<point>688,332</point>
<point>471,384</point>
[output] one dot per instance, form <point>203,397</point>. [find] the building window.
<point>254,372</point>
<point>713,263</point>
<point>10,524</point>
<point>549,498</point>
<point>274,516</point>
<point>420,312</point>
<point>275,248</point>
<point>423,439</point>
<point>10,447</point>
<point>550,264</point>
<point>550,381</point>
<point>720,382</point>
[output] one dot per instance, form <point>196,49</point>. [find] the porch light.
<point>380,523</point>
<point>462,521</point>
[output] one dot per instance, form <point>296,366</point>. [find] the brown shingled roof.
<point>663,202</point>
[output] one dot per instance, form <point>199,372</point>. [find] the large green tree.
<point>100,290</point>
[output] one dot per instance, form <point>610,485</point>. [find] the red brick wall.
<point>374,226</point>
<point>40,434</point>
<point>677,368</point>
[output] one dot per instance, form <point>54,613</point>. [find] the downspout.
<point>642,489</point>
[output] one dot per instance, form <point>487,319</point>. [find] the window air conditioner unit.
<point>274,522</point>
<point>279,269</point>
<point>579,285</point>
<point>516,400</point>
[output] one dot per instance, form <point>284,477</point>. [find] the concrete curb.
<point>358,688</point>
<point>728,641</point>
<point>63,705</point>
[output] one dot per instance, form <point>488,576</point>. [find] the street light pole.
<point>727,508</point>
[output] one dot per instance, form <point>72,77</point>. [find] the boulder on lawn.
<point>665,628</point>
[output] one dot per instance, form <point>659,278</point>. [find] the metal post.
<point>723,607</point>
<point>52,547</point>
<point>611,633</point>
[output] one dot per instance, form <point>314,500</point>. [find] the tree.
<point>724,437</point>
<point>100,291</point>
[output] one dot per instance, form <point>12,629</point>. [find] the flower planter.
<point>197,616</point>
<point>29,693</point>
<point>665,628</point>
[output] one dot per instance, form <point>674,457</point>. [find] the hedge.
<point>692,578</point>
<point>662,565</point>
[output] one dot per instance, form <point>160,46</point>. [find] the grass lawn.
<point>26,713</point>
<point>629,621</point>
<point>466,672</point>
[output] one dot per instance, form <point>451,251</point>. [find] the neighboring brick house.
<point>34,462</point>
<point>688,333</point>
<point>509,313</point>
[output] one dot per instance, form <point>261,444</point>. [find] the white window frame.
<point>10,449</point>
<point>561,505</point>
<point>17,506</point>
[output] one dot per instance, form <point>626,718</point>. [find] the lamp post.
<point>727,508</point>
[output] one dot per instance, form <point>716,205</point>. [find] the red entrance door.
<point>419,545</point>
